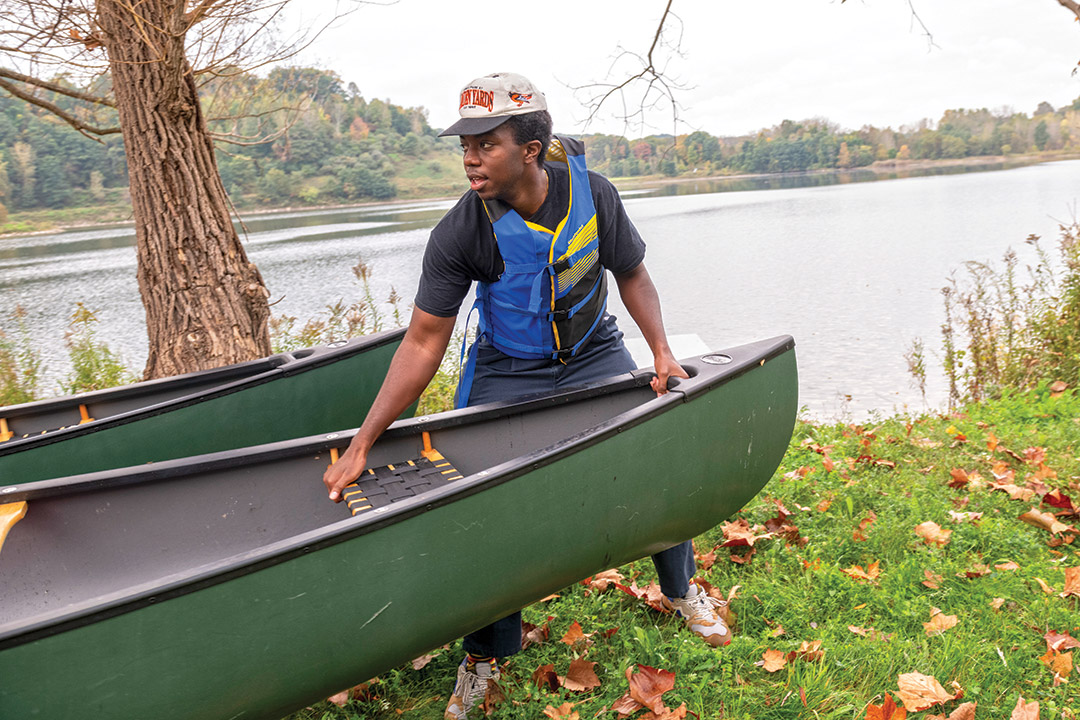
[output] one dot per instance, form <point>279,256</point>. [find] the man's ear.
<point>533,148</point>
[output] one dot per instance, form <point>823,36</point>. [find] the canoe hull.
<point>276,405</point>
<point>273,638</point>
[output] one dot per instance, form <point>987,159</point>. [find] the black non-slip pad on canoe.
<point>378,487</point>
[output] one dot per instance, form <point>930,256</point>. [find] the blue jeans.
<point>501,377</point>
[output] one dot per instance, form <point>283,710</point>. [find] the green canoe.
<point>228,586</point>
<point>288,395</point>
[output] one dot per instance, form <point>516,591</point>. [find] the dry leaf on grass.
<point>932,581</point>
<point>772,661</point>
<point>939,622</point>
<point>1045,588</point>
<point>544,676</point>
<point>563,712</point>
<point>1010,565</point>
<point>1025,710</point>
<point>1072,582</point>
<point>581,676</point>
<point>1059,642</point>
<point>603,580</point>
<point>933,534</point>
<point>870,633</point>
<point>576,638</point>
<point>962,712</point>
<point>918,691</point>
<point>888,710</point>
<point>1046,521</point>
<point>870,574</point>
<point>648,685</point>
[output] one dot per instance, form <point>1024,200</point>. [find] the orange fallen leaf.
<point>996,603</point>
<point>962,712</point>
<point>1072,582</point>
<point>648,685</point>
<point>870,633</point>
<point>975,571</point>
<point>918,691</point>
<point>939,622</point>
<point>1045,588</point>
<point>1057,388</point>
<point>932,581</point>
<point>666,714</point>
<point>933,534</point>
<point>1035,455</point>
<point>870,574</point>
<point>1025,711</point>
<point>1009,565</point>
<point>888,710</point>
<point>1063,641</point>
<point>602,580</point>
<point>575,637</point>
<point>563,712</point>
<point>808,650</point>
<point>959,517</point>
<point>626,706</point>
<point>581,676</point>
<point>1046,521</point>
<point>772,660</point>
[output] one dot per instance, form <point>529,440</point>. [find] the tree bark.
<point>205,303</point>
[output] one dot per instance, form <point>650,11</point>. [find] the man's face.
<point>494,164</point>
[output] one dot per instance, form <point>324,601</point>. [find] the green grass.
<point>992,653</point>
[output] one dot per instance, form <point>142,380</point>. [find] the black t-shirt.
<point>462,246</point>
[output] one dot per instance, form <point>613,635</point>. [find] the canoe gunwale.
<point>226,569</point>
<point>279,366</point>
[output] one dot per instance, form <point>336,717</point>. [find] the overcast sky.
<point>746,65</point>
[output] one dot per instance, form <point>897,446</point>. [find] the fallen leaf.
<point>545,676</point>
<point>563,712</point>
<point>1045,588</point>
<point>859,535</point>
<point>739,533</point>
<point>959,478</point>
<point>648,685</point>
<point>962,712</point>
<point>933,534</point>
<point>918,691</point>
<point>824,505</point>
<point>581,676</point>
<point>601,581</point>
<point>932,581</point>
<point>1060,663</point>
<point>1035,455</point>
<point>888,710</point>
<point>706,561</point>
<point>626,706</point>
<point>651,594</point>
<point>575,637</point>
<point>777,631</point>
<point>1025,711</point>
<point>1057,388</point>
<point>772,660</point>
<point>828,464</point>
<point>533,634</point>
<point>870,574</point>
<point>959,517</point>
<point>1009,565</point>
<point>870,633</point>
<point>939,622</point>
<point>976,571</point>
<point>808,651</point>
<point>1046,521</point>
<point>1060,500</point>
<point>745,558</point>
<point>1072,582</point>
<point>996,603</point>
<point>494,696</point>
<point>991,442</point>
<point>1063,641</point>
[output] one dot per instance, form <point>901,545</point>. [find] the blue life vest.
<point>552,293</point>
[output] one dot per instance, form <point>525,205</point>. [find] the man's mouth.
<point>476,181</point>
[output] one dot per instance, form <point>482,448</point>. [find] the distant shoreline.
<point>879,167</point>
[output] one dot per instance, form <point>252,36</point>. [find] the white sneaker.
<point>470,688</point>
<point>702,615</point>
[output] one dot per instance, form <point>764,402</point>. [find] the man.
<point>539,236</point>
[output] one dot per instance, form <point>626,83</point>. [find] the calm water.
<point>852,271</point>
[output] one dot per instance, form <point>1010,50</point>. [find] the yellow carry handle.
<point>9,515</point>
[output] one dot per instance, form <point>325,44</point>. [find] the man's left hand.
<point>666,367</point>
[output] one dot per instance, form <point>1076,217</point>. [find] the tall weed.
<point>20,366</point>
<point>94,366</point>
<point>1000,333</point>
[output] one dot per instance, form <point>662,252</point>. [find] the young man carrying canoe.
<point>537,231</point>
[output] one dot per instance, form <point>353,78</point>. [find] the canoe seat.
<point>378,487</point>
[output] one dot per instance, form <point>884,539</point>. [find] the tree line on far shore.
<point>325,143</point>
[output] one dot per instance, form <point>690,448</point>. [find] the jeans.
<point>501,377</point>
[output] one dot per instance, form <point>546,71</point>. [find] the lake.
<point>853,270</point>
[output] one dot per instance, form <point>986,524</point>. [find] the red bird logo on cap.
<point>520,99</point>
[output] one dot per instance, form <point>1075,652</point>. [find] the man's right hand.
<point>345,471</point>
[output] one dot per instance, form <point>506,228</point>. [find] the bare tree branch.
<point>87,130</point>
<point>53,87</point>
<point>650,85</point>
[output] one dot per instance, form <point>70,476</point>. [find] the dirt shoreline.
<point>879,167</point>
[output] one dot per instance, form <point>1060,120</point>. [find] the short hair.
<point>532,126</point>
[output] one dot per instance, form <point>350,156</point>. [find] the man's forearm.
<point>638,294</point>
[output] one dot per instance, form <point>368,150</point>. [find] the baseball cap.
<point>487,102</point>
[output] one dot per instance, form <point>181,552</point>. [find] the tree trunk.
<point>205,303</point>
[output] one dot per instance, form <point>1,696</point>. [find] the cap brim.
<point>474,126</point>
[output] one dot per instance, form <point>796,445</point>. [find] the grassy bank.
<point>834,587</point>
